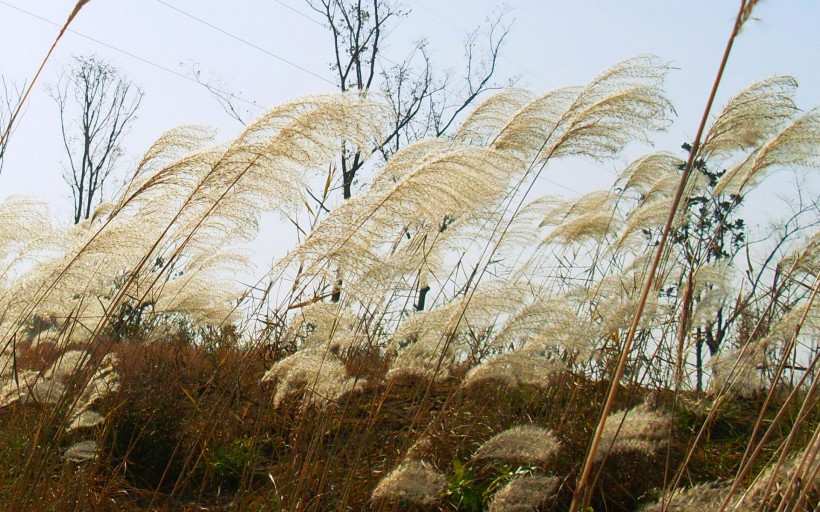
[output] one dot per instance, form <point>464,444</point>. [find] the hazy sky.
<point>552,44</point>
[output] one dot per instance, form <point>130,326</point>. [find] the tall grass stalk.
<point>581,497</point>
<point>79,5</point>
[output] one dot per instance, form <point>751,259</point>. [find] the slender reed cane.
<point>581,497</point>
<point>19,108</point>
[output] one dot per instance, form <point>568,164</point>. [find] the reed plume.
<point>525,493</point>
<point>412,481</point>
<point>524,444</point>
<point>639,429</point>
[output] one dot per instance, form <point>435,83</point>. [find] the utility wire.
<point>133,56</point>
<point>246,42</point>
<point>310,18</point>
<point>302,14</point>
<point>193,80</point>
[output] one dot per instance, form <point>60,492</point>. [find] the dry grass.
<point>436,342</point>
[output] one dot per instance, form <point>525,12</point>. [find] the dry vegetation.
<point>444,339</point>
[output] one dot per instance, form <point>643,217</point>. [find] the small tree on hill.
<point>10,98</point>
<point>97,106</point>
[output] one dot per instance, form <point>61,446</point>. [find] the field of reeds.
<point>446,339</point>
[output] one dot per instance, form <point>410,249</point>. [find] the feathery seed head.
<point>413,481</point>
<point>646,172</point>
<point>652,214</point>
<point>639,429</point>
<point>81,451</point>
<point>485,122</point>
<point>797,145</point>
<point>799,473</point>
<point>318,373</point>
<point>525,493</point>
<point>703,498</point>
<point>739,371</point>
<point>750,117</point>
<point>524,444</point>
<point>532,365</point>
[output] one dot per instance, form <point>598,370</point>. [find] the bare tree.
<point>97,106</point>
<point>10,98</point>
<point>422,104</point>
<point>229,101</point>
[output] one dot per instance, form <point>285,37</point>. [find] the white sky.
<point>552,44</point>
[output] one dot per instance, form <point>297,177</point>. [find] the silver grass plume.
<point>412,481</point>
<point>643,174</point>
<point>318,373</point>
<point>25,232</point>
<point>703,498</point>
<point>551,319</point>
<point>622,104</point>
<point>524,230</point>
<point>525,494</point>
<point>652,215</point>
<point>711,288</point>
<point>103,382</point>
<point>266,167</point>
<point>421,450</point>
<point>635,270</point>
<point>205,291</point>
<point>358,235</point>
<point>210,198</point>
<point>750,117</point>
<point>612,300</point>
<point>797,145</point>
<point>666,186</point>
<point>50,386</point>
<point>537,364</point>
<point>81,451</point>
<point>27,236</point>
<point>436,336</point>
<point>592,217</point>
<point>30,386</point>
<point>408,159</point>
<point>536,339</point>
<point>324,325</point>
<point>486,121</point>
<point>178,209</point>
<point>158,168</point>
<point>591,227</point>
<point>804,259</point>
<point>741,372</point>
<point>523,444</point>
<point>799,473</point>
<point>639,429</point>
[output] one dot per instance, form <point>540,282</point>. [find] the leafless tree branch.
<point>9,101</point>
<point>97,106</point>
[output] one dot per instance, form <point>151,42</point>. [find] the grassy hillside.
<point>446,339</point>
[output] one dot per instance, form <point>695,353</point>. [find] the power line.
<point>302,14</point>
<point>246,42</point>
<point>195,81</point>
<point>133,56</point>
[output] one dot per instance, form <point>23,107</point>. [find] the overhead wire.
<point>229,34</point>
<point>133,56</point>
<point>246,42</point>
<point>263,50</point>
<point>306,16</point>
<point>310,18</point>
